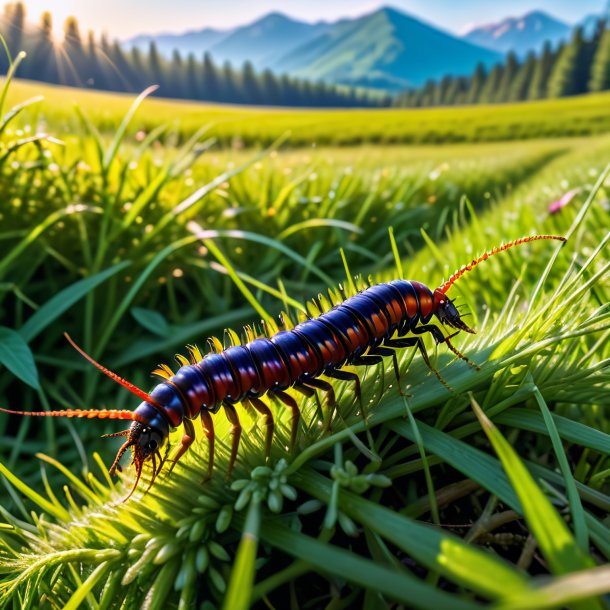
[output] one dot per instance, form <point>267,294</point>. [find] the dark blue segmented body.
<point>359,331</point>
<point>312,348</point>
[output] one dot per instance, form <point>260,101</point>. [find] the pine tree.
<point>15,27</point>
<point>511,67</point>
<point>42,63</point>
<point>210,82</point>
<point>476,84</point>
<point>177,80</point>
<point>250,84</point>
<point>230,90</point>
<point>140,68</point>
<point>157,71</point>
<point>492,84</point>
<point>94,76</point>
<point>74,60</point>
<point>192,78</point>
<point>538,87</point>
<point>600,70</point>
<point>270,88</point>
<point>570,73</point>
<point>521,83</point>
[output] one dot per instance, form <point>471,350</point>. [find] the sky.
<point>125,18</point>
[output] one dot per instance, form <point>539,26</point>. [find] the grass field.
<point>238,126</point>
<point>492,493</point>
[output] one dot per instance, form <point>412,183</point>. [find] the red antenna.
<point>126,384</point>
<point>89,413</point>
<point>522,240</point>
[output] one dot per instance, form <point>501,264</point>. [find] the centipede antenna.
<point>522,240</point>
<point>83,413</point>
<point>126,384</point>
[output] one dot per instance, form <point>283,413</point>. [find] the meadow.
<point>243,126</point>
<point>142,226</point>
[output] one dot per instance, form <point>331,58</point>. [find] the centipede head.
<point>447,312</point>
<point>145,443</point>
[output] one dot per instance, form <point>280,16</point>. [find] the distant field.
<point>239,126</point>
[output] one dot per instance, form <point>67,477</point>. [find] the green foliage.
<point>569,75</point>
<point>137,248</point>
<point>600,71</point>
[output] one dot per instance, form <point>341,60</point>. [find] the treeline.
<point>102,64</point>
<point>579,66</point>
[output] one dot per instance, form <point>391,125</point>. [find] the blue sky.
<point>123,18</point>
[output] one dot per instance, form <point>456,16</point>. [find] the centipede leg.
<point>387,352</point>
<point>290,402</point>
<point>419,343</point>
<point>231,414</point>
<point>187,440</point>
<point>330,396</point>
<point>347,376</point>
<point>208,430</point>
<point>459,354</point>
<point>264,410</point>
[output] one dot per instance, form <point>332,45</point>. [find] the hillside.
<point>386,49</point>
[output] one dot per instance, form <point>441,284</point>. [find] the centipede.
<point>361,330</point>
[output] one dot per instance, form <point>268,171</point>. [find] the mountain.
<point>196,41</point>
<point>520,34</point>
<point>261,42</point>
<point>265,40</point>
<point>386,49</point>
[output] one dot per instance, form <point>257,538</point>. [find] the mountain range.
<point>385,49</point>
<point>520,34</point>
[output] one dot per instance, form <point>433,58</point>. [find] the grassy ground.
<point>492,494</point>
<point>240,126</point>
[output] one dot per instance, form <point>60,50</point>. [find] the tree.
<point>94,76</point>
<point>156,68</point>
<point>270,88</point>
<point>539,83</point>
<point>476,84</point>
<point>600,70</point>
<point>492,84</point>
<point>193,89</point>
<point>571,72</point>
<point>229,89</point>
<point>72,66</point>
<point>250,85</point>
<point>42,63</point>
<point>519,88</point>
<point>511,67</point>
<point>210,82</point>
<point>177,73</point>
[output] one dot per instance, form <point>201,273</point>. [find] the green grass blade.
<point>551,532</point>
<point>242,575</point>
<point>56,510</point>
<point>324,557</point>
<point>580,526</point>
<point>17,357</point>
<point>120,132</point>
<point>245,291</point>
<point>440,552</point>
<point>562,592</point>
<point>77,599</point>
<point>572,431</point>
<point>64,299</point>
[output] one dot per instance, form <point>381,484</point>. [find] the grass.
<point>494,494</point>
<point>238,126</point>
